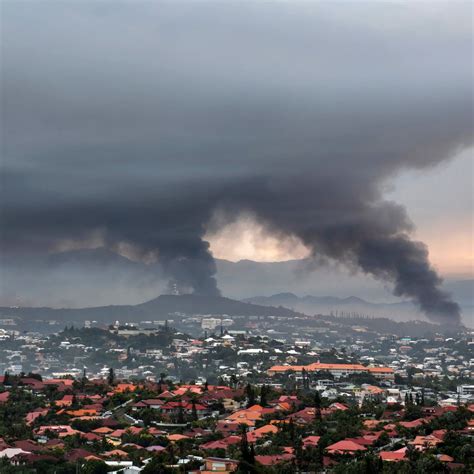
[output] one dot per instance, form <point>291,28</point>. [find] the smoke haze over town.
<point>150,129</point>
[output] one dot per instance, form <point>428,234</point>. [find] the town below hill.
<point>318,422</point>
<point>126,399</point>
<point>195,384</point>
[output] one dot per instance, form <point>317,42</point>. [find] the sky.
<point>163,130</point>
<point>441,205</point>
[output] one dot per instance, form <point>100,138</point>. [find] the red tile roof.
<point>311,441</point>
<point>270,460</point>
<point>391,456</point>
<point>345,446</point>
<point>4,396</point>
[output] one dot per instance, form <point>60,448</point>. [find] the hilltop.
<point>157,308</point>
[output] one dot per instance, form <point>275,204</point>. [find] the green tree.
<point>83,379</point>
<point>247,455</point>
<point>250,394</point>
<point>156,466</point>
<point>111,376</point>
<point>94,466</point>
<point>180,414</point>
<point>298,450</point>
<point>317,405</point>
<point>263,396</point>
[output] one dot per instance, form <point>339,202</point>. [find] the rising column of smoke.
<point>344,220</point>
<point>393,258</point>
<point>193,271</point>
<point>142,121</point>
<point>174,231</point>
<point>142,226</point>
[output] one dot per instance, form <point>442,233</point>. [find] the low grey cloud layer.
<point>140,121</point>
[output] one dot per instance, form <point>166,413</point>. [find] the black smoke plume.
<point>137,123</point>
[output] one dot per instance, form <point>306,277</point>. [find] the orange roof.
<point>286,368</point>
<point>244,415</point>
<point>123,387</point>
<point>374,389</point>
<point>371,424</point>
<point>103,430</point>
<point>61,430</point>
<point>177,437</point>
<point>65,401</point>
<point>260,432</point>
<point>318,366</point>
<point>81,412</point>
<point>66,382</point>
<point>277,422</point>
<point>266,429</point>
<point>255,408</point>
<point>380,369</point>
<point>429,440</point>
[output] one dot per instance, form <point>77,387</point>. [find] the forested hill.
<point>158,308</point>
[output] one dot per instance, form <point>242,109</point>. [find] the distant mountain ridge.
<point>309,304</point>
<point>158,308</point>
<point>285,298</point>
<point>211,305</point>
<point>98,277</point>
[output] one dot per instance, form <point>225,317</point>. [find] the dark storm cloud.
<point>142,120</point>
